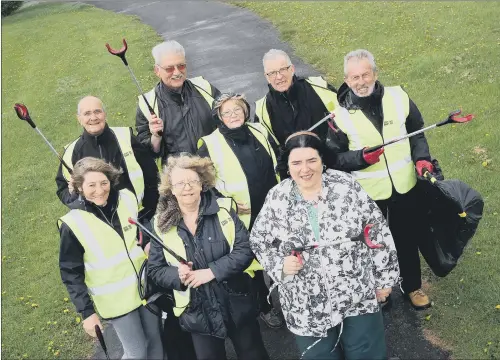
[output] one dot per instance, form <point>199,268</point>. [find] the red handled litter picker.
<point>366,240</point>
<point>452,118</point>
<point>23,114</point>
<point>121,54</point>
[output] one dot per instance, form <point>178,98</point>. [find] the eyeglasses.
<point>182,185</point>
<point>273,74</point>
<point>171,69</point>
<point>96,112</point>
<point>229,113</point>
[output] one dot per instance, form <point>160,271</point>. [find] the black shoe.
<point>272,319</point>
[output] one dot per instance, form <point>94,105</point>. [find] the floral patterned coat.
<point>339,277</point>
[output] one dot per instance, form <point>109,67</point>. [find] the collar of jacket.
<point>347,99</point>
<point>84,204</point>
<point>168,94</point>
<point>295,197</point>
<point>104,138</point>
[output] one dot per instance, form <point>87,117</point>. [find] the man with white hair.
<point>293,103</point>
<point>116,145</point>
<point>182,106</point>
<point>368,115</point>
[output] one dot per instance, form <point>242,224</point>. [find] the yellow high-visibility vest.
<point>200,84</point>
<point>134,170</point>
<point>231,179</point>
<point>319,85</point>
<point>175,243</point>
<point>109,275</point>
<point>396,162</point>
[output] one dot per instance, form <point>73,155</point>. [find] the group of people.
<point>239,207</point>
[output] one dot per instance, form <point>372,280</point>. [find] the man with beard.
<point>368,115</point>
<point>183,107</point>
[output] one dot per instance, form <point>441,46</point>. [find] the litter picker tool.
<point>453,118</point>
<point>158,241</point>
<point>101,340</point>
<point>366,239</point>
<point>23,114</point>
<point>121,54</point>
<point>328,118</point>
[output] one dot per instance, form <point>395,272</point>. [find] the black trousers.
<point>178,344</point>
<point>261,292</point>
<point>405,214</point>
<point>247,342</point>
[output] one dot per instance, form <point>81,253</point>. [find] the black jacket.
<point>254,159</point>
<point>228,296</point>
<point>186,117</point>
<point>105,146</point>
<point>352,160</point>
<point>297,109</point>
<point>71,252</point>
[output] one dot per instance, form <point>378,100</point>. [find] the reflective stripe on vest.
<point>134,170</point>
<point>109,275</point>
<point>175,243</point>
<point>319,85</point>
<point>231,179</point>
<point>361,133</point>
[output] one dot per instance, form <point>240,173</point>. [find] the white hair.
<point>167,47</point>
<point>86,97</point>
<point>275,54</point>
<point>359,55</point>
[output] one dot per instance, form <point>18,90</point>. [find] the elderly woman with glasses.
<point>209,270</point>
<point>245,162</point>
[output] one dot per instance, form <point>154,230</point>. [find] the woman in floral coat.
<point>329,293</point>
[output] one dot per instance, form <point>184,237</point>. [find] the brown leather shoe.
<point>419,300</point>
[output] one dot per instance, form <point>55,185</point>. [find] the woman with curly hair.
<point>211,291</point>
<point>99,260</point>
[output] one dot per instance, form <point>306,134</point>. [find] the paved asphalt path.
<point>225,44</point>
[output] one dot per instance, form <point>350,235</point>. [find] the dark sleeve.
<point>203,150</point>
<point>73,271</point>
<point>341,158</point>
<point>418,143</point>
<point>143,134</point>
<point>274,146</point>
<point>151,177</point>
<point>62,189</point>
<point>239,258</point>
<point>160,271</point>
<point>215,92</point>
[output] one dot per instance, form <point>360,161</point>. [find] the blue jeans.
<point>362,338</point>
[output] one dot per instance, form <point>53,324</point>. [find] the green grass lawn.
<point>446,55</point>
<point>52,55</point>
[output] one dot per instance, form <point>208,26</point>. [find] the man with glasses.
<point>369,113</point>
<point>293,103</point>
<point>116,145</point>
<point>182,106</point>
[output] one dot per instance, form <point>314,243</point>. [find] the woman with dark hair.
<point>309,237</point>
<point>99,260</point>
<point>245,162</point>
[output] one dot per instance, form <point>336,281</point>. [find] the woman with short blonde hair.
<point>208,272</point>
